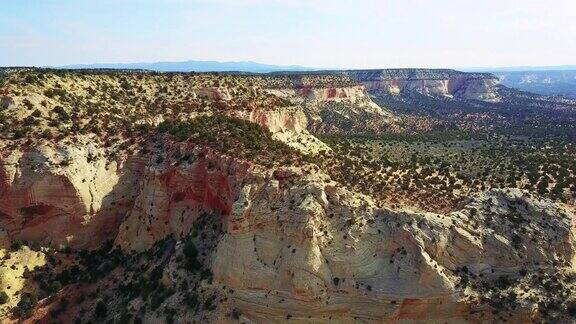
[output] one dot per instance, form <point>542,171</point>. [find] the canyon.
<point>155,197</point>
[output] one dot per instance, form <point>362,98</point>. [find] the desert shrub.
<point>4,298</point>
<point>190,252</point>
<point>27,104</point>
<point>191,300</point>
<point>516,241</point>
<point>26,305</point>
<point>100,310</point>
<point>209,303</point>
<point>46,134</point>
<point>19,133</point>
<point>233,136</point>
<point>54,286</point>
<point>16,245</point>
<point>31,121</point>
<point>62,114</point>
<point>571,308</point>
<point>31,79</point>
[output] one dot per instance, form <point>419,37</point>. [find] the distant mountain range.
<point>255,67</point>
<point>194,66</point>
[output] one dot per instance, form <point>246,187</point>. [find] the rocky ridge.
<point>295,243</point>
<point>446,83</point>
<point>259,234</point>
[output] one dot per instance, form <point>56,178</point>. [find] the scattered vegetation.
<point>26,305</point>
<point>103,282</point>
<point>4,298</point>
<point>234,137</point>
<point>550,293</point>
<point>437,170</point>
<point>442,152</point>
<point>116,106</point>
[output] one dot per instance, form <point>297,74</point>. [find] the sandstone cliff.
<point>289,125</point>
<point>295,244</point>
<point>448,83</point>
<point>200,200</point>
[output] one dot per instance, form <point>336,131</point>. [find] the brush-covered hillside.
<point>310,197</point>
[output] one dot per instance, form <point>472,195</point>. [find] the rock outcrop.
<point>6,102</point>
<point>295,244</point>
<point>447,83</point>
<point>68,195</point>
<point>289,125</point>
<point>330,101</point>
<point>354,96</point>
<point>214,93</point>
<point>207,217</point>
<point>305,248</point>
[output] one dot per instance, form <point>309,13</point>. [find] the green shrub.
<point>4,298</point>
<point>100,310</point>
<point>26,305</point>
<point>31,79</point>
<point>54,287</point>
<point>232,136</point>
<point>61,112</point>
<point>16,245</point>
<point>190,252</point>
<point>191,299</point>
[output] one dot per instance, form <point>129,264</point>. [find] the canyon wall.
<point>288,125</point>
<point>448,83</point>
<point>282,242</point>
<point>294,243</point>
<point>69,195</point>
<point>354,96</point>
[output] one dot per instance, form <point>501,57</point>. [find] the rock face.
<point>368,263</point>
<point>295,244</point>
<point>350,101</point>
<point>289,125</point>
<point>6,102</point>
<point>285,241</point>
<point>65,196</point>
<point>448,83</point>
<point>170,199</point>
<point>355,95</point>
<point>214,93</point>
<point>330,101</point>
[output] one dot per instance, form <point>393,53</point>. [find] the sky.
<point>313,33</point>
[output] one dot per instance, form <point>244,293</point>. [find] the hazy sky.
<point>316,33</point>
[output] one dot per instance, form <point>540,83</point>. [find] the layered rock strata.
<point>295,244</point>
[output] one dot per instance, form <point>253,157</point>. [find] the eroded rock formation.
<point>448,83</point>
<point>162,214</point>
<point>295,244</point>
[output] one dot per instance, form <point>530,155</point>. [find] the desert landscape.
<point>287,161</point>
<point>399,195</point>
